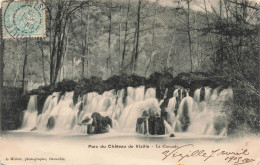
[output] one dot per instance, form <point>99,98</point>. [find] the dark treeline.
<point>112,38</point>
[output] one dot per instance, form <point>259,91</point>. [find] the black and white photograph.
<point>130,82</point>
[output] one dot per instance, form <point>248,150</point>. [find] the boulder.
<point>33,129</point>
<point>184,117</point>
<point>90,129</point>
<point>99,124</point>
<point>155,125</point>
<point>172,135</point>
<point>202,94</point>
<point>151,122</point>
<point>141,125</point>
<point>159,127</point>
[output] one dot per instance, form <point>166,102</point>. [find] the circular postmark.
<point>23,19</point>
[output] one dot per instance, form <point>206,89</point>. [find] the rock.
<point>86,120</point>
<point>172,135</point>
<point>164,114</point>
<point>106,121</point>
<point>41,98</point>
<point>184,117</point>
<point>159,126</point>
<point>151,122</point>
<point>202,94</point>
<point>66,85</point>
<point>163,107</point>
<point>90,129</point>
<point>51,123</point>
<point>99,124</point>
<point>141,125</point>
<point>34,128</point>
<point>155,125</point>
<point>145,114</point>
<point>220,123</point>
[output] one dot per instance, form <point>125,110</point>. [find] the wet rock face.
<point>86,120</point>
<point>202,94</point>
<point>154,125</point>
<point>172,135</point>
<point>141,125</point>
<point>33,129</point>
<point>184,118</point>
<point>51,123</point>
<point>100,124</point>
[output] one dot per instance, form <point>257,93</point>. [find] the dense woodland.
<point>122,37</point>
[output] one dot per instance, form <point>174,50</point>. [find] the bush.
<point>13,103</point>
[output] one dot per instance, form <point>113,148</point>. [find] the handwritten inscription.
<point>188,151</point>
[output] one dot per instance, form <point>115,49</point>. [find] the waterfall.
<point>64,113</point>
<point>30,114</point>
<point>171,110</point>
<point>48,106</point>
<point>127,120</point>
<point>201,114</point>
<point>197,95</point>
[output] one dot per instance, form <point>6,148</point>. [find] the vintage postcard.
<point>127,82</point>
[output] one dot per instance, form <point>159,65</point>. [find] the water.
<point>198,115</point>
<point>30,115</point>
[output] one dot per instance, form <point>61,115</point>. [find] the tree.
<point>189,33</point>
<point>125,36</point>
<point>41,45</point>
<point>25,63</point>
<point>109,38</point>
<point>137,34</point>
<point>59,15</point>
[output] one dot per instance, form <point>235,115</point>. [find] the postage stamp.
<point>23,19</point>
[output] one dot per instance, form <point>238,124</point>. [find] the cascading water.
<point>64,113</point>
<point>201,114</point>
<point>198,115</point>
<point>48,106</point>
<point>30,115</point>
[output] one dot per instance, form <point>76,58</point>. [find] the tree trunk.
<point>221,36</point>
<point>119,37</point>
<point>18,65</point>
<point>65,50</point>
<point>125,42</point>
<point>152,48</point>
<point>169,53</point>
<point>25,64</point>
<point>50,45</point>
<point>137,35</point>
<point>189,35</point>
<point>133,52</point>
<point>109,64</point>
<point>209,38</point>
<point>82,47</point>
<point>72,67</point>
<point>60,51</point>
<point>43,68</point>
<point>87,37</point>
